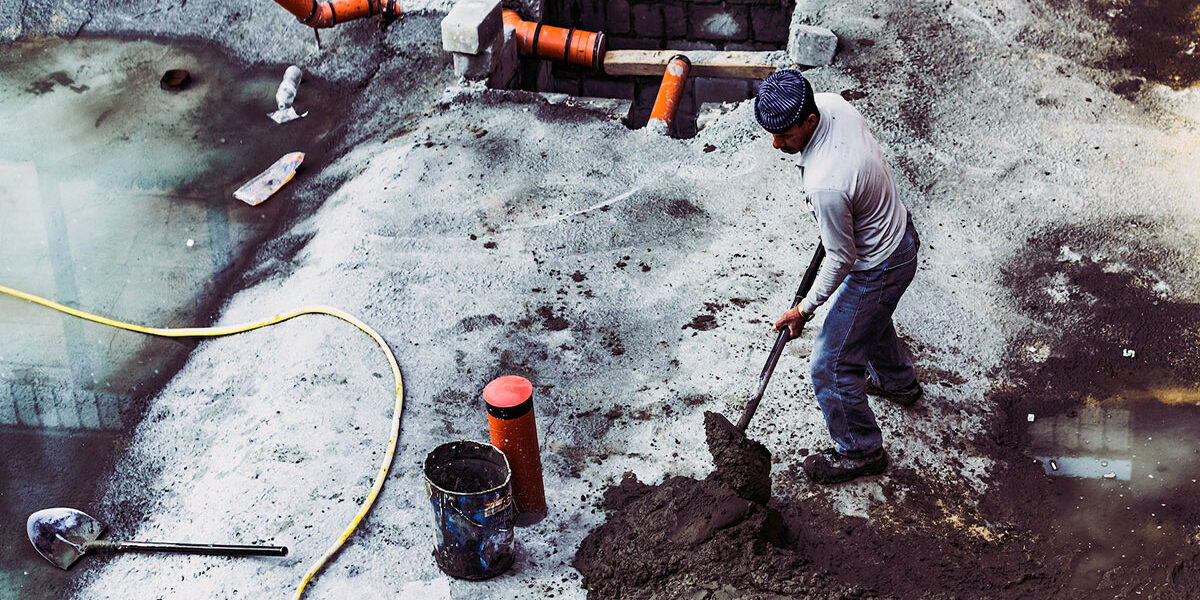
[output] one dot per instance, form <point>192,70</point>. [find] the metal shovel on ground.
<point>742,464</point>
<point>64,535</point>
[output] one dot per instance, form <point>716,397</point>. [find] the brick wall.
<point>756,25</point>
<point>683,24</point>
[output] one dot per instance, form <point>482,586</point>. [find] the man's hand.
<point>794,319</point>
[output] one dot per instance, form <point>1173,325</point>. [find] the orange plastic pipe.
<point>572,46</point>
<point>331,12</point>
<point>662,116</point>
<point>513,430</point>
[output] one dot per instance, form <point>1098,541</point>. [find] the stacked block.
<point>481,46</point>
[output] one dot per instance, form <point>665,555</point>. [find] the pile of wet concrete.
<point>715,537</point>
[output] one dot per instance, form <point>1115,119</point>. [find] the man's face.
<point>795,138</point>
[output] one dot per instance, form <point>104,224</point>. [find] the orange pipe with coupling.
<point>662,116</point>
<point>572,46</point>
<point>331,12</point>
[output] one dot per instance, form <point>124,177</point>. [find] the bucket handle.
<point>467,518</point>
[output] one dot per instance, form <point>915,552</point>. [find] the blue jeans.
<point>858,336</point>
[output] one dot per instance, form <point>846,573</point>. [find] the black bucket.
<point>468,484</point>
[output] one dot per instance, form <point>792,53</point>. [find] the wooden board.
<point>705,63</point>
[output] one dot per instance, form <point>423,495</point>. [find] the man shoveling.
<point>871,257</point>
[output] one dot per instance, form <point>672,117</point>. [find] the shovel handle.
<point>183,548</point>
<point>806,283</point>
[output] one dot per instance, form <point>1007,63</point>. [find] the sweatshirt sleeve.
<point>832,208</point>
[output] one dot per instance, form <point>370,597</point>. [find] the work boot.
<point>831,466</point>
<point>905,396</point>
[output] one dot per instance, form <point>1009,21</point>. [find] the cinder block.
<point>811,46</point>
<point>608,88</point>
<point>544,80</point>
<point>8,408</point>
<point>566,86</point>
<point>751,46</point>
<point>616,42</point>
<point>479,66</point>
<point>1066,432</point>
<point>716,22</point>
<point>531,10</point>
<point>1091,429</point>
<point>1116,430</point>
<point>769,24</point>
<point>1041,434</point>
<point>25,398</point>
<point>587,14</point>
<point>647,20</point>
<point>691,45</point>
<point>674,21</point>
<point>471,26</point>
<point>508,63</point>
<point>716,89</point>
<point>618,17</point>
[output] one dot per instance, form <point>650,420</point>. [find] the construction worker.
<point>871,257</point>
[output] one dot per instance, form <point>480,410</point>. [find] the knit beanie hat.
<point>784,99</point>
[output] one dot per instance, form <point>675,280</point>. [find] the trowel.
<point>63,535</point>
<point>780,341</point>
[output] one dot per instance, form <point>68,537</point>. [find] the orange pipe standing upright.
<point>331,12</point>
<point>662,116</point>
<point>572,46</point>
<point>510,419</point>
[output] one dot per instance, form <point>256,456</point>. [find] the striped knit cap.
<point>783,100</point>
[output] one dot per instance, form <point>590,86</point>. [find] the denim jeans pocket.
<point>905,253</point>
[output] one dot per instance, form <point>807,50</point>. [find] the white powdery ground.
<point>273,436</point>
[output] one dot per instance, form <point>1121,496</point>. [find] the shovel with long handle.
<point>784,336</point>
<point>64,535</point>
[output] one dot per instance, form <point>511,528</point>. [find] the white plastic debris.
<point>1029,417</point>
<point>191,242</point>
<point>1066,255</point>
<point>286,95</point>
<point>1128,353</point>
<point>1110,475</point>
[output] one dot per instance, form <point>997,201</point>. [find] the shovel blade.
<point>56,532</point>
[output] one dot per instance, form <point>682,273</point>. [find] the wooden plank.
<point>705,63</point>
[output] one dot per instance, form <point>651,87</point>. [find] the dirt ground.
<point>1046,150</point>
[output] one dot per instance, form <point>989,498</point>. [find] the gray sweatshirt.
<point>851,193</point>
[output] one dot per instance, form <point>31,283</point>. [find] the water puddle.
<point>116,198</point>
<point>1108,408</point>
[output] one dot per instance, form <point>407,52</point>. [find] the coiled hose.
<point>224,330</point>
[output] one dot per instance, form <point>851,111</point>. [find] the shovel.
<point>63,535</point>
<point>784,336</point>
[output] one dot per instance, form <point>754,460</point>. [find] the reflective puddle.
<point>1108,408</point>
<point>116,198</point>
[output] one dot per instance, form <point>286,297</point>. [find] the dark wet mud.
<point>1109,373</point>
<point>1160,39</point>
<point>742,464</point>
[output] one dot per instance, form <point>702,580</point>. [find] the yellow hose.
<point>232,329</point>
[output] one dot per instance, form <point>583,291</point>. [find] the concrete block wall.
<point>739,25</point>
<point>650,25</point>
<point>743,25</point>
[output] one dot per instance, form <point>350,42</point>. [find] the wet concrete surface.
<point>116,198</point>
